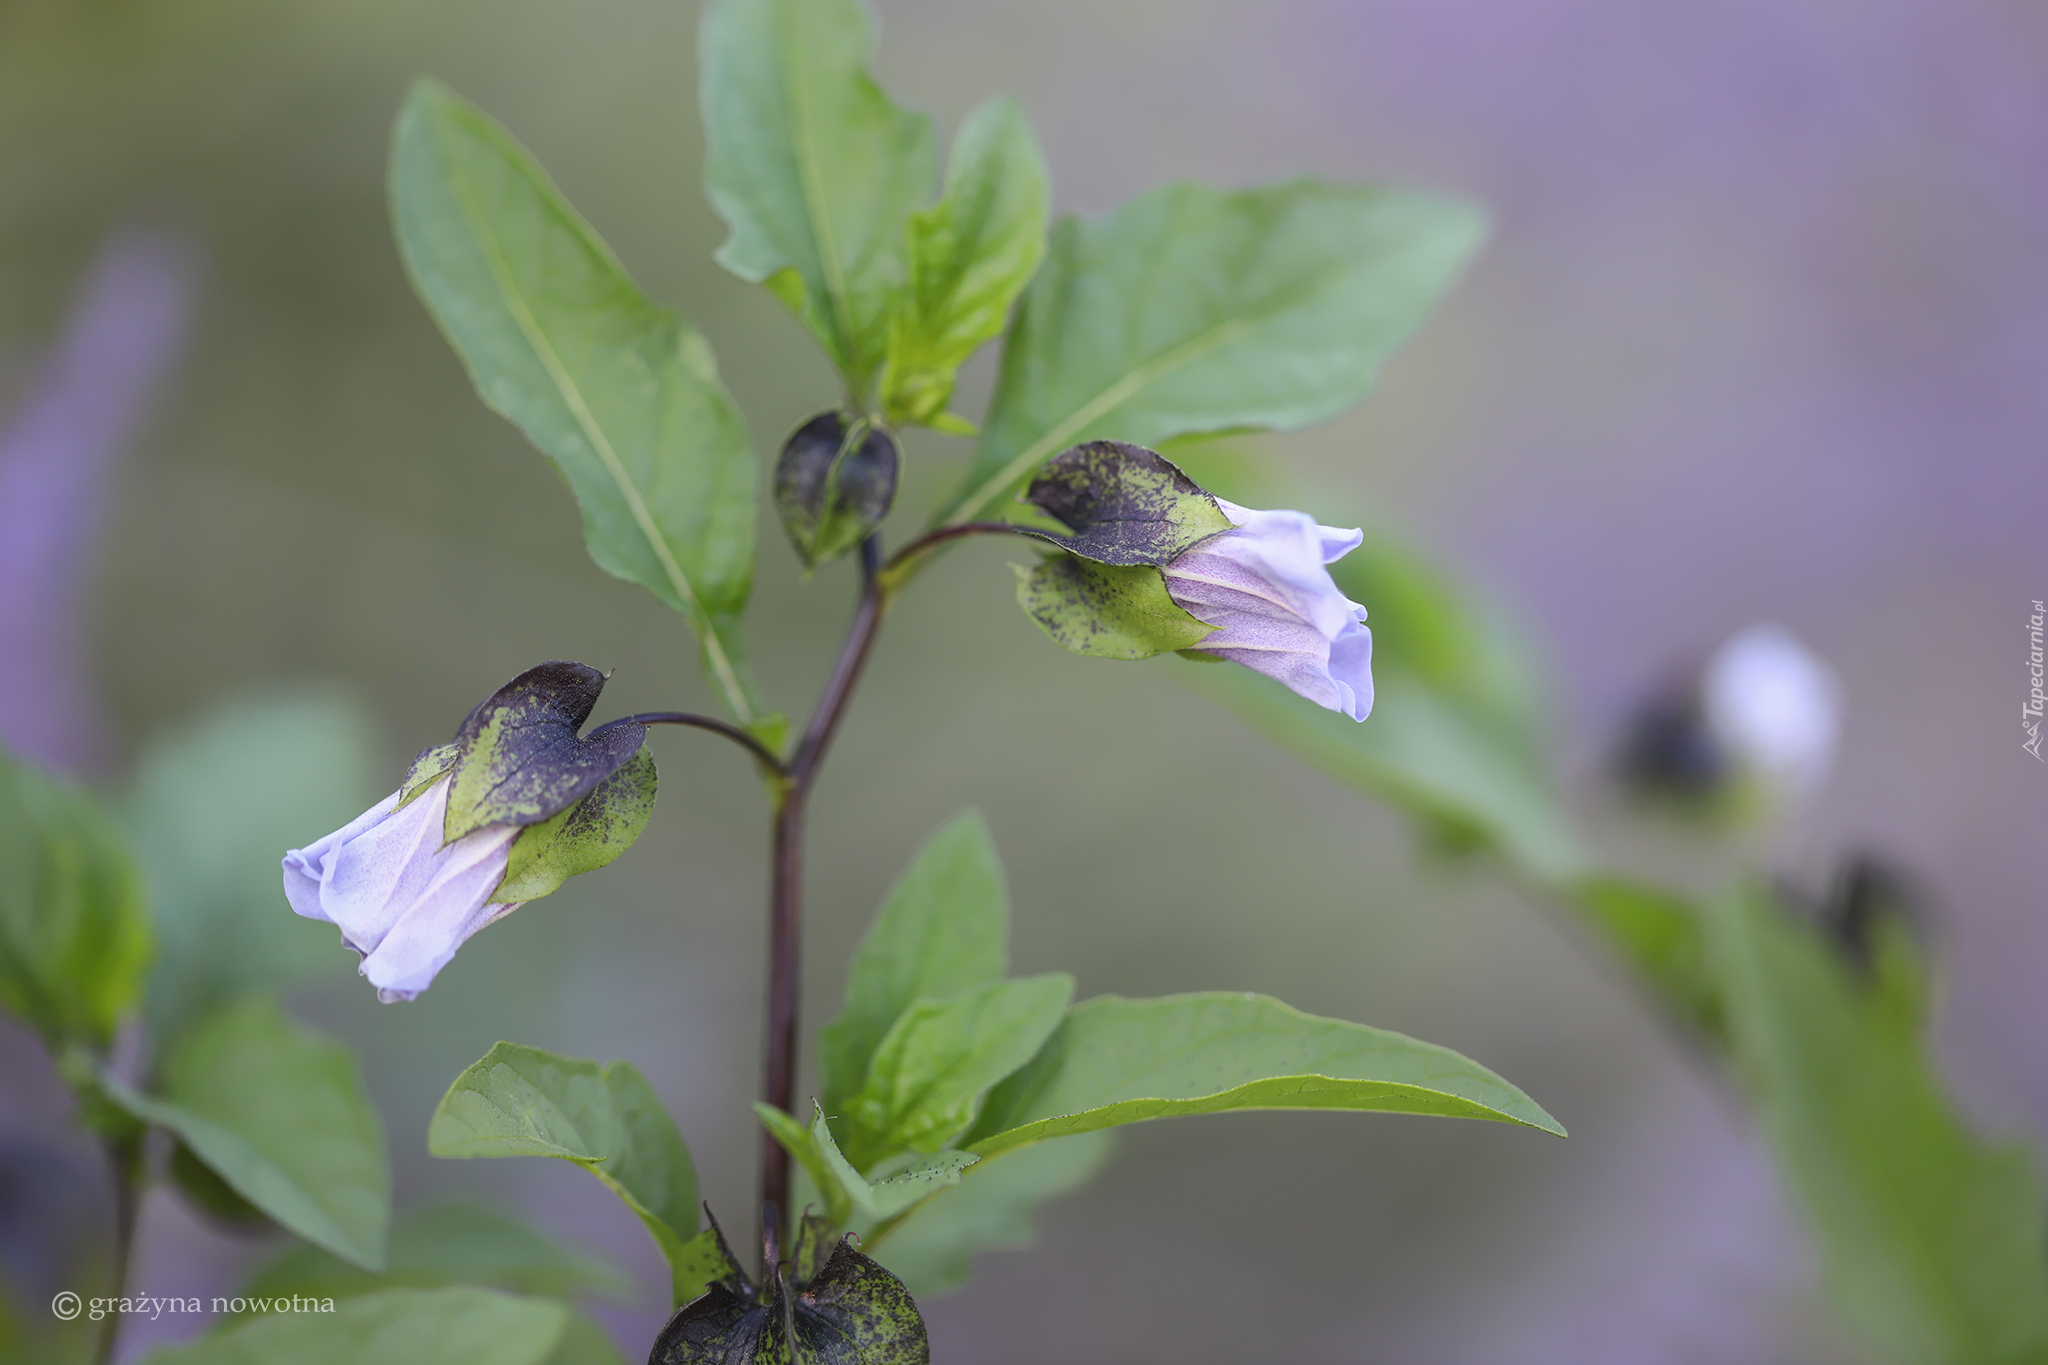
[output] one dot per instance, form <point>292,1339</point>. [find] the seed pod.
<point>834,484</point>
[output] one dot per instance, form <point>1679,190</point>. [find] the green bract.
<point>74,937</point>
<point>622,395</point>
<point>1108,610</point>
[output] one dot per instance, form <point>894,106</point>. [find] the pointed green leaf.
<point>416,1326</point>
<point>1117,1061</point>
<point>1932,1240</point>
<point>623,396</point>
<point>213,804</point>
<point>931,1070</point>
<point>1193,309</point>
<point>1108,610</point>
<point>521,1101</point>
<point>1663,937</point>
<point>813,168</point>
<point>74,936</point>
<point>971,254</point>
<point>279,1113</point>
<point>449,1244</point>
<point>852,1199</point>
<point>945,927</point>
<point>989,1210</point>
<point>583,838</point>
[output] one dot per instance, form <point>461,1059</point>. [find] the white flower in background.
<point>400,898</point>
<point>1774,707</point>
<point>1276,610</point>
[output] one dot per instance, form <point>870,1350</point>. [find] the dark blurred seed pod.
<point>1669,751</point>
<point>834,484</point>
<point>1869,899</point>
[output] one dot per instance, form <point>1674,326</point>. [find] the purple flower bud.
<point>402,899</point>
<point>1276,610</point>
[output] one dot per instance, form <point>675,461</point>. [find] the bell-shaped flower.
<point>1265,587</point>
<point>1157,563</point>
<point>513,807</point>
<point>1774,707</point>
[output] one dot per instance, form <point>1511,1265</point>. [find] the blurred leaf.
<point>583,1342</point>
<point>205,1192</point>
<point>813,168</point>
<point>623,396</point>
<point>278,1111</point>
<point>1110,611</point>
<point>989,1210</point>
<point>930,1072</point>
<point>944,928</point>
<point>214,805</point>
<point>414,1326</point>
<point>971,254</point>
<point>521,1101</point>
<point>1117,1061</point>
<point>1423,752</point>
<point>1663,937</point>
<point>1933,1241</point>
<point>74,934</point>
<point>1193,309</point>
<point>451,1244</point>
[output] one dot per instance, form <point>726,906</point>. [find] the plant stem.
<point>761,752</point>
<point>785,894</point>
<point>124,1156</point>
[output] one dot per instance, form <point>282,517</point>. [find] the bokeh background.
<point>1760,335</point>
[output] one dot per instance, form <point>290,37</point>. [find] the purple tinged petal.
<point>1275,607</point>
<point>400,898</point>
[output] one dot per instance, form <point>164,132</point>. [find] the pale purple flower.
<point>1276,610</point>
<point>400,898</point>
<point>1775,707</point>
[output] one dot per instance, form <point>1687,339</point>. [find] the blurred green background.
<point>1744,348</point>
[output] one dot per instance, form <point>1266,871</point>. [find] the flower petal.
<point>305,869</point>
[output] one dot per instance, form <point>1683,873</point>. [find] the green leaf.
<point>583,1342</point>
<point>944,928</point>
<point>989,1210</point>
<point>1933,1241</point>
<point>1193,309</point>
<point>450,1244</point>
<point>74,936</point>
<point>521,1101</point>
<point>813,168</point>
<point>931,1070</point>
<point>213,805</point>
<point>416,1326</point>
<point>583,838</point>
<point>623,396</point>
<point>1110,611</point>
<point>278,1111</point>
<point>971,254</point>
<point>1663,937</point>
<point>1117,1061</point>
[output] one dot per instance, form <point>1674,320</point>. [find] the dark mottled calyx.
<point>519,759</point>
<point>849,1312</point>
<point>1124,504</point>
<point>834,484</point>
